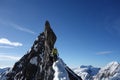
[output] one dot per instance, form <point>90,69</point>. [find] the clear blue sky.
<point>88,31</point>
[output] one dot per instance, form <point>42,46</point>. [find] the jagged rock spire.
<point>37,63</point>
<point>50,35</point>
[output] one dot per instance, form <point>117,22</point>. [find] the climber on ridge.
<point>55,54</point>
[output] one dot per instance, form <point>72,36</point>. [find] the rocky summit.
<point>38,64</point>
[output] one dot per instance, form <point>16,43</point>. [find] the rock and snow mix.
<point>38,64</point>
<point>3,72</point>
<point>35,47</point>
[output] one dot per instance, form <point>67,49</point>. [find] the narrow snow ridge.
<point>60,72</point>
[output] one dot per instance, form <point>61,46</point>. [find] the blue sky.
<point>88,31</point>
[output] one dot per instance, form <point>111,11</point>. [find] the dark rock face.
<point>50,35</point>
<point>36,64</point>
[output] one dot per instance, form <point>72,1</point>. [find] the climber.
<point>55,54</point>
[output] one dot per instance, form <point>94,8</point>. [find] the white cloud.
<point>104,52</point>
<point>6,57</point>
<point>8,42</point>
<point>6,47</point>
<point>22,28</point>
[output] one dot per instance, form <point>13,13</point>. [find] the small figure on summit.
<point>55,54</point>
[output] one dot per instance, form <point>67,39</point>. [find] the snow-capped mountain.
<point>39,64</point>
<point>110,72</point>
<point>86,72</point>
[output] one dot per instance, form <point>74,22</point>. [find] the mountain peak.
<point>109,72</point>
<point>113,63</point>
<point>47,23</point>
<point>37,63</point>
<point>49,35</point>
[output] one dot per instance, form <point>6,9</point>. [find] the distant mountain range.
<point>110,72</point>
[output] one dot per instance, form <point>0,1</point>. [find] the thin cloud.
<point>6,47</point>
<point>16,26</point>
<point>8,42</point>
<point>6,57</point>
<point>22,28</point>
<point>104,52</point>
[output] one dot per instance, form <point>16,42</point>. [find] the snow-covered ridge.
<point>110,72</point>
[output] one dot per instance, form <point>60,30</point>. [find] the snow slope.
<point>60,72</point>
